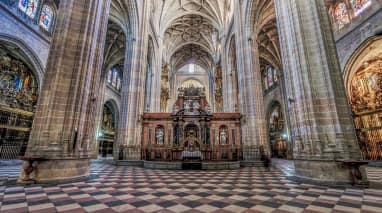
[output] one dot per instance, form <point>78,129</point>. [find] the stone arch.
<point>363,83</point>
<point>361,54</point>
<point>149,74</point>
<point>106,137</point>
<point>177,16</point>
<point>262,24</point>
<point>29,56</point>
<point>20,88</point>
<point>232,74</point>
<point>115,47</point>
<point>190,79</point>
<point>276,126</point>
<point>125,14</point>
<point>114,106</point>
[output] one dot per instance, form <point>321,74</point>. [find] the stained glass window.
<point>275,75</point>
<point>114,78</point>
<point>46,17</point>
<point>29,7</point>
<point>265,80</point>
<point>359,6</point>
<point>118,83</point>
<point>109,76</point>
<point>341,15</point>
<point>270,77</point>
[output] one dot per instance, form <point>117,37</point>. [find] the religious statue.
<point>187,106</point>
<point>159,136</point>
<point>175,109</point>
<point>223,137</point>
<point>208,109</point>
<point>196,105</point>
<point>219,100</point>
<point>164,96</point>
<point>219,90</point>
<point>107,122</point>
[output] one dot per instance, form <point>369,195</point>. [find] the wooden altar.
<point>191,131</point>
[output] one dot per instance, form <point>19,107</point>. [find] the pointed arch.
<point>26,52</point>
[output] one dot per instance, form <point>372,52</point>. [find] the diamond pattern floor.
<point>129,189</point>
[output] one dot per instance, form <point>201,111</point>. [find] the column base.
<point>252,153</point>
<point>330,172</point>
<point>131,153</point>
<point>54,170</point>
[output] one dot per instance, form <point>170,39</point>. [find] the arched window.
<point>270,77</point>
<point>46,17</point>
<point>109,76</point>
<point>29,7</point>
<point>114,78</point>
<point>359,6</point>
<point>341,15</point>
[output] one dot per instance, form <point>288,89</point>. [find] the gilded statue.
<point>164,95</point>
<point>107,122</point>
<point>219,100</point>
<point>219,90</point>
<point>366,91</point>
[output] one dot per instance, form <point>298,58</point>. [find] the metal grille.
<point>15,126</point>
<point>13,143</point>
<point>369,133</point>
<point>211,154</point>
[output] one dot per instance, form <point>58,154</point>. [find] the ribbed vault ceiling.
<point>191,30</point>
<point>265,24</point>
<point>115,45</point>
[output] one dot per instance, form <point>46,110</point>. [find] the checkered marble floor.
<point>130,189</point>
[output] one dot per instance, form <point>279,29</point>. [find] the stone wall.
<point>24,31</point>
<point>351,38</point>
<point>111,94</point>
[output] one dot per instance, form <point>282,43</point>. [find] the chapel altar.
<point>192,131</point>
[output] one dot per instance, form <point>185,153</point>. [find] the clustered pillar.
<point>63,130</point>
<point>321,124</point>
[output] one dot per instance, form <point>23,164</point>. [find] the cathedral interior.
<point>190,106</point>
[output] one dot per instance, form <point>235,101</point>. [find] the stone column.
<point>254,132</point>
<point>128,127</point>
<point>65,123</point>
<point>157,70</point>
<point>129,133</point>
<point>321,124</point>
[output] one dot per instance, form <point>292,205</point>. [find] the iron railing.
<point>15,126</point>
<point>369,132</point>
<point>203,154</point>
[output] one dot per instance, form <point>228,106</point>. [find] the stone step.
<point>256,163</point>
<point>374,176</point>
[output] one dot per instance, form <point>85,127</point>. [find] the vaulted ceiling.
<point>115,45</point>
<point>267,33</point>
<point>191,30</point>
